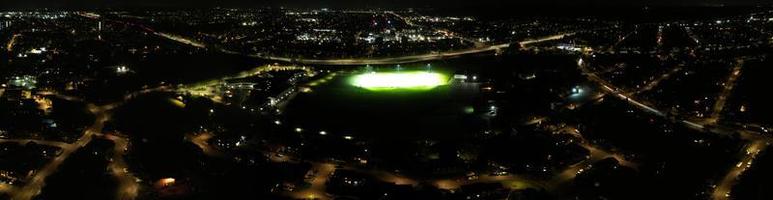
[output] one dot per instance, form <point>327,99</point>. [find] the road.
<point>596,154</point>
<point>354,61</point>
<point>757,141</point>
<point>12,42</point>
<point>317,190</point>
<point>722,190</point>
<point>544,39</point>
<point>606,86</point>
<point>180,39</point>
<point>659,37</point>
<point>7,188</point>
<point>128,187</point>
<point>727,90</point>
<point>62,145</point>
<point>374,61</point>
<point>201,140</point>
<point>511,181</point>
<point>614,46</point>
<point>36,182</point>
<point>447,33</point>
<point>654,83</point>
<point>692,35</point>
<point>385,61</point>
<point>411,58</point>
<point>627,97</point>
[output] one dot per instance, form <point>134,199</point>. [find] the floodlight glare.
<point>399,80</point>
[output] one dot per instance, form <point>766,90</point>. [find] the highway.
<point>410,58</point>
<point>373,61</point>
<point>385,61</point>
<point>544,39</point>
<point>480,48</point>
<point>180,39</point>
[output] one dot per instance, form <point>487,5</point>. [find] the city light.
<point>367,102</point>
<point>376,81</point>
<point>165,182</point>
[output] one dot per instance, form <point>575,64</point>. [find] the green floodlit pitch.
<point>417,80</point>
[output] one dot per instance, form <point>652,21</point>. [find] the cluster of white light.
<point>399,80</point>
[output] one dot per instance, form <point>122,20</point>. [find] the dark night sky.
<point>361,3</point>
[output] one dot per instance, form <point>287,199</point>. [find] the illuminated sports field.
<point>412,80</point>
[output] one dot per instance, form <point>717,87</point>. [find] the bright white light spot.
<point>399,80</point>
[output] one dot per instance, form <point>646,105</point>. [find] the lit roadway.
<point>544,39</point>
<point>596,154</point>
<point>127,183</point>
<point>323,170</point>
<point>7,188</point>
<point>354,61</point>
<point>317,190</point>
<point>410,58</point>
<point>606,86</point>
<point>384,61</point>
<point>62,145</point>
<point>201,140</point>
<point>444,32</point>
<point>722,190</point>
<point>36,183</point>
<point>624,38</point>
<point>127,188</point>
<point>374,61</point>
<point>654,83</point>
<point>513,181</point>
<point>12,42</point>
<point>727,89</point>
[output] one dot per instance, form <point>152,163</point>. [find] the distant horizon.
<point>374,4</point>
<point>640,13</point>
